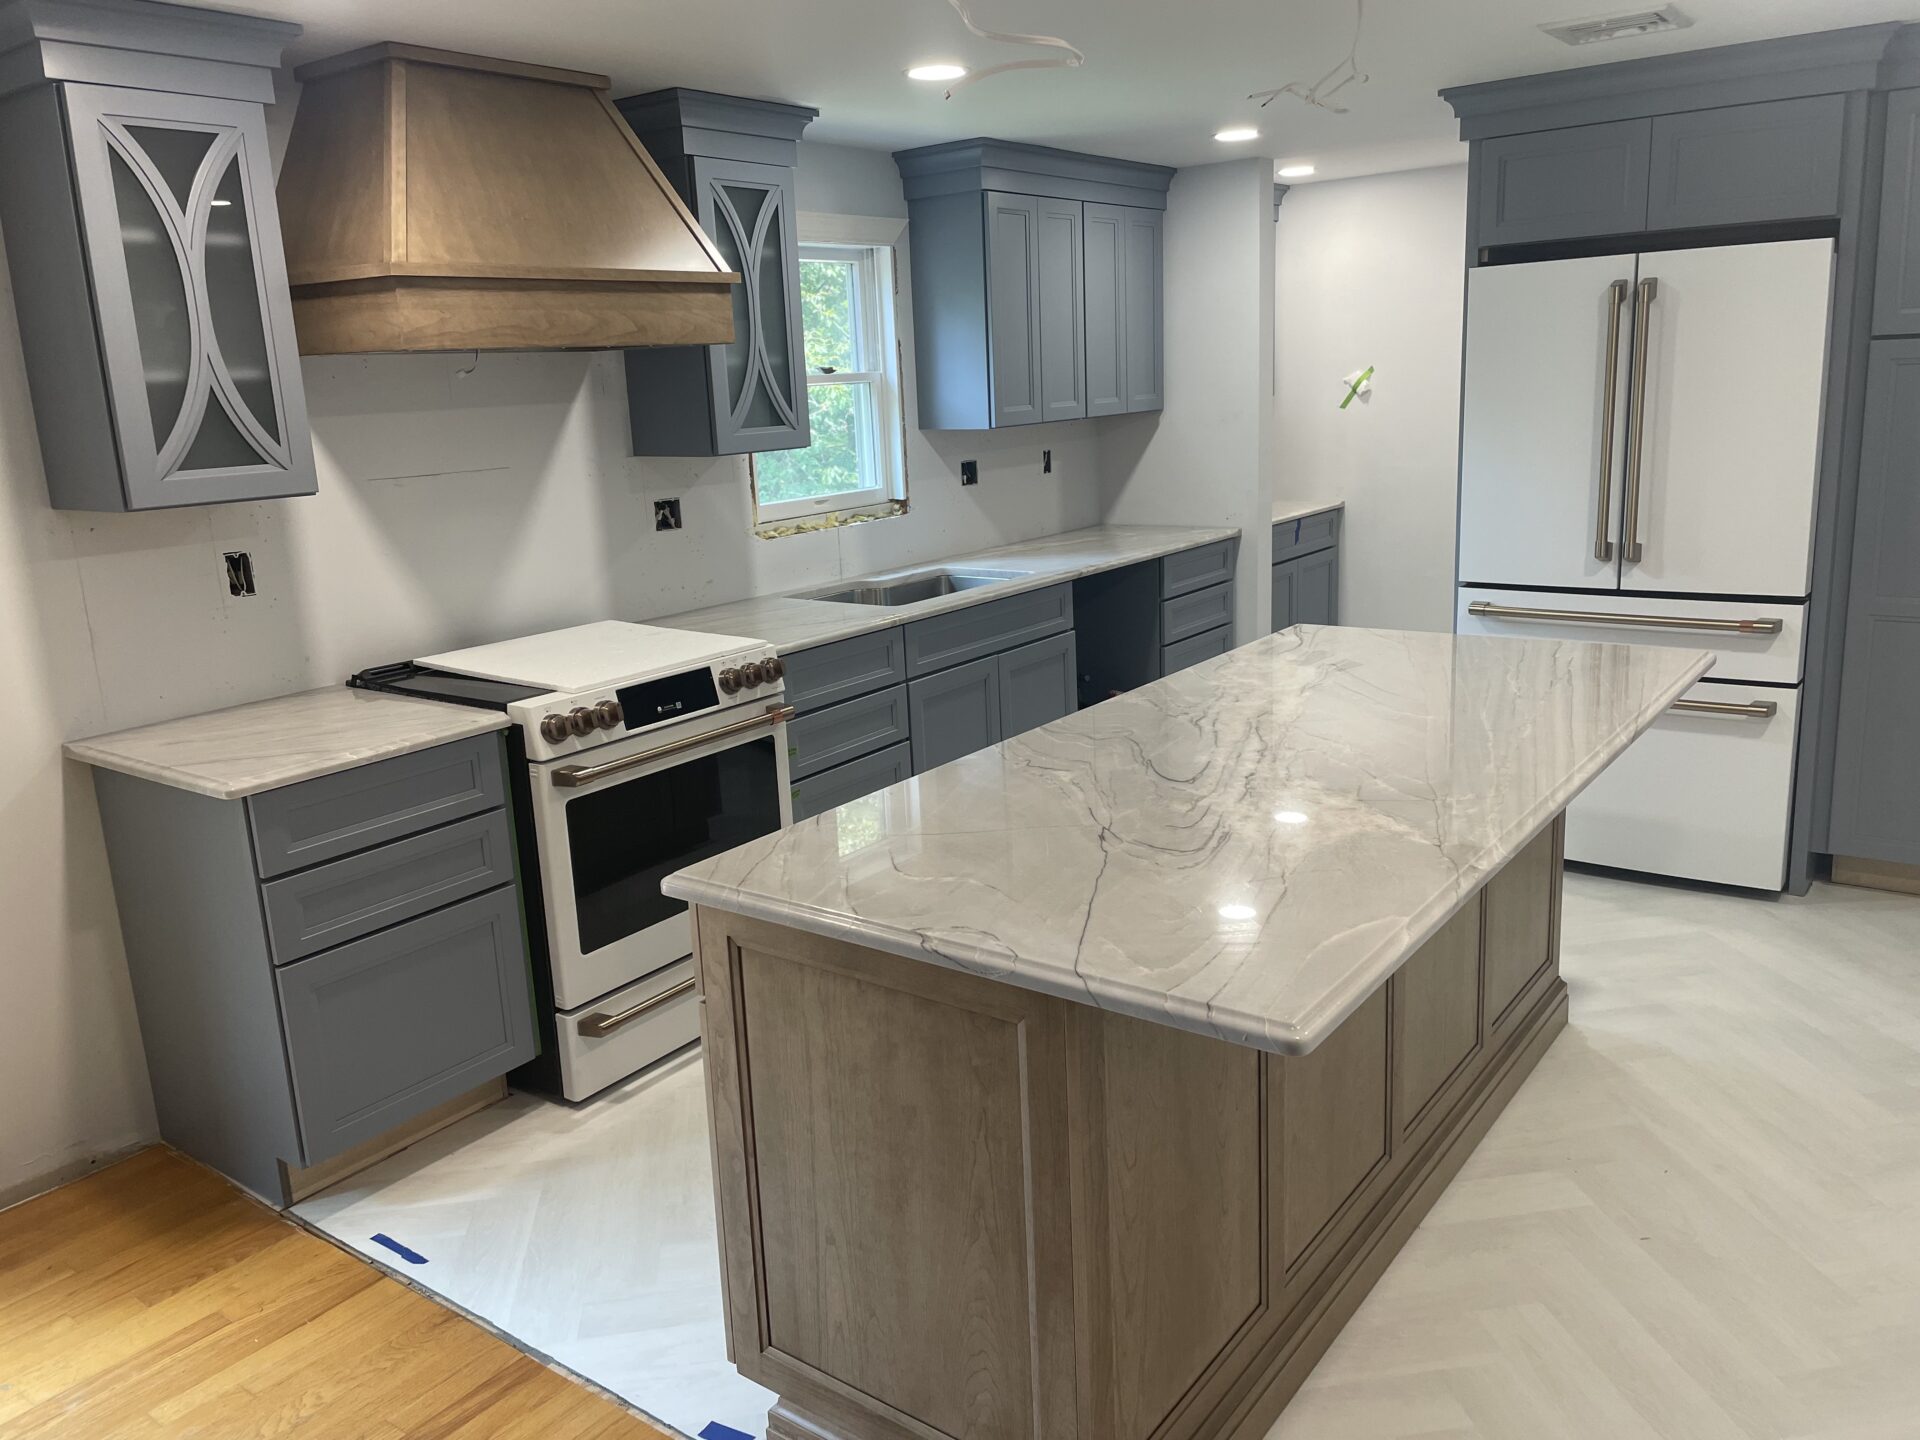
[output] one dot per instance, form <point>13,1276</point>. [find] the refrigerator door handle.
<point>1637,417</point>
<point>1603,509</point>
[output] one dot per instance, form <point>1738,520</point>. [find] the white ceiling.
<point>1161,75</point>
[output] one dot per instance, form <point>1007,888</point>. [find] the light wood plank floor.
<point>153,1299</point>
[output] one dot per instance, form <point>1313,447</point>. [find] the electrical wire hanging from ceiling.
<point>1322,91</point>
<point>1072,60</point>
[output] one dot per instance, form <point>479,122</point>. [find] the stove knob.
<point>580,720</point>
<point>731,680</point>
<point>773,668</point>
<point>554,729</point>
<point>607,714</point>
<point>751,672</point>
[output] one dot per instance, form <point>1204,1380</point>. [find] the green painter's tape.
<point>1353,390</point>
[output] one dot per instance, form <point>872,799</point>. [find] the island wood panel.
<point>1522,924</point>
<point>1334,1128</point>
<point>1436,1015</point>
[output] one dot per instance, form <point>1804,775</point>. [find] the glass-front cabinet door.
<point>182,244</point>
<point>759,382</point>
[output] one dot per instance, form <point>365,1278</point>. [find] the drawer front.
<point>630,1029</point>
<point>822,739</point>
<point>1773,659</point>
<point>1702,797</point>
<point>961,635</point>
<point>832,788</point>
<point>345,899</point>
<point>387,1027</point>
<point>828,674</point>
<point>1192,652</point>
<point>1306,535</point>
<point>1197,568</point>
<point>335,815</point>
<point>1195,613</point>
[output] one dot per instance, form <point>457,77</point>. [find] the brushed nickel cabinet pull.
<point>1637,417</point>
<point>1729,709</point>
<point>1603,511</point>
<point>1703,623</point>
<point>599,1023</point>
<point>572,777</point>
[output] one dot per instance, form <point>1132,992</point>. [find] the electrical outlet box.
<point>666,514</point>
<point>1046,462</point>
<point>969,472</point>
<point>239,567</point>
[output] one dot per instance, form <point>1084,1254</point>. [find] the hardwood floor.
<point>154,1300</point>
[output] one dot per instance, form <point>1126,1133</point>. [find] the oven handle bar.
<point>600,1023</point>
<point>1597,617</point>
<point>572,777</point>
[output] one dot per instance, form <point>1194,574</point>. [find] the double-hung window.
<point>857,461</point>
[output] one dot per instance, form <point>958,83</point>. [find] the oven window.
<point>628,837</point>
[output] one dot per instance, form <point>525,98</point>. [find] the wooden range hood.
<point>437,201</point>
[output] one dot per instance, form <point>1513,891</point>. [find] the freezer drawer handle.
<point>1649,622</point>
<point>572,777</point>
<point>1637,416</point>
<point>1603,510</point>
<point>1755,710</point>
<point>600,1023</point>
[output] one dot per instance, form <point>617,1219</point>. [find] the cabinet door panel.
<point>759,382</point>
<point>1286,603</point>
<point>1557,184</point>
<point>1537,467</point>
<point>1896,290</point>
<point>1038,685</point>
<point>1013,308</point>
<point>1062,294</point>
<point>1106,239</point>
<point>1144,305</point>
<point>1738,164</point>
<point>196,325</point>
<point>1318,598</point>
<point>954,713</point>
<point>1736,367</point>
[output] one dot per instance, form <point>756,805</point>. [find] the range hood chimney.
<point>437,201</point>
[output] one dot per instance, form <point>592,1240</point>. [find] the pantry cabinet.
<point>1896,289</point>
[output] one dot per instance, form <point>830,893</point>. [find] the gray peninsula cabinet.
<point>1037,283</point>
<point>732,160</point>
<point>137,196</point>
<point>318,964</point>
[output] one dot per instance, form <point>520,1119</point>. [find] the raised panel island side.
<point>1080,1089</point>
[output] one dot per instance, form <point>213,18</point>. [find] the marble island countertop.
<point>791,622</point>
<point>247,749</point>
<point>1285,510</point>
<point>1246,849</point>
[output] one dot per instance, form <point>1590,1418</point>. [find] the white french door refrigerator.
<point>1640,443</point>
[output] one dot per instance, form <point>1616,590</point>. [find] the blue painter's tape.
<point>716,1431</point>
<point>412,1257</point>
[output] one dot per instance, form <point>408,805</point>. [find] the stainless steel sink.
<point>909,586</point>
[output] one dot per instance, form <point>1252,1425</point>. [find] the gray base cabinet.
<point>955,713</point>
<point>1306,571</point>
<point>1137,624</point>
<point>319,964</point>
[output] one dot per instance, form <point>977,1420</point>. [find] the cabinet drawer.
<point>820,793</point>
<point>1703,797</point>
<point>1773,659</point>
<point>824,738</point>
<point>960,635</point>
<point>1306,535</point>
<point>387,1027</point>
<point>1197,568</point>
<point>1192,614</point>
<point>335,815</point>
<point>345,899</point>
<point>828,674</point>
<point>652,1018</point>
<point>1192,652</point>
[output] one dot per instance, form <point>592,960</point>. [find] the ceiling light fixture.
<point>1234,134</point>
<point>1295,172</point>
<point>940,70</point>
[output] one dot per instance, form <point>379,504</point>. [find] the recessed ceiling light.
<point>1233,134</point>
<point>1295,172</point>
<point>943,70</point>
<point>1237,912</point>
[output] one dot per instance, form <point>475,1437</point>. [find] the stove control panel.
<point>564,724</point>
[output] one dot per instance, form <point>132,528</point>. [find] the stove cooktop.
<point>587,657</point>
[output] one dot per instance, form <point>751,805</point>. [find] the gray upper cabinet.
<point>148,272</point>
<point>1744,163</point>
<point>732,160</point>
<point>1896,290</point>
<point>1036,284</point>
<point>1558,184</point>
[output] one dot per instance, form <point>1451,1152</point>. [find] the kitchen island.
<point>1082,1087</point>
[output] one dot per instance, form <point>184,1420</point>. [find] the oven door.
<point>615,821</point>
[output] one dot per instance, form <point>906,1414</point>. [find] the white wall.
<point>1370,272</point>
<point>460,499</point>
<point>1207,457</point>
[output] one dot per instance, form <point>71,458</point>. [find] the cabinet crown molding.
<point>140,44</point>
<point>959,166</point>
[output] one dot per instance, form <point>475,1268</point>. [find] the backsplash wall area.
<point>462,498</point>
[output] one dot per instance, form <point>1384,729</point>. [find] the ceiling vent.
<point>1617,27</point>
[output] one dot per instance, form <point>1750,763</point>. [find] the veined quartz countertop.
<point>1285,510</point>
<point>250,748</point>
<point>790,622</point>
<point>1247,848</point>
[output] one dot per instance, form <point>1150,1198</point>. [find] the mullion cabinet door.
<point>760,380</point>
<point>183,249</point>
